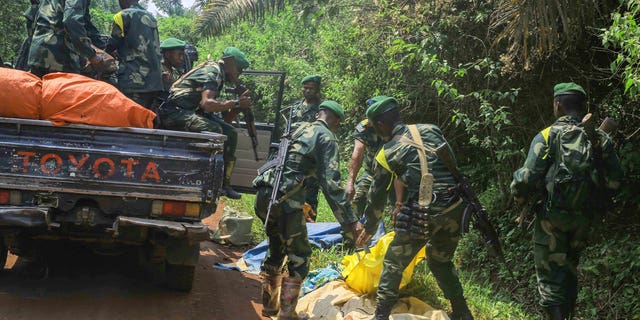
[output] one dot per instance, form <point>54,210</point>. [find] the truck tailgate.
<point>129,162</point>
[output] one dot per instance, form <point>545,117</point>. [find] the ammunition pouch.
<point>414,221</point>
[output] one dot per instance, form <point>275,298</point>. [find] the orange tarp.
<point>20,95</point>
<point>72,98</point>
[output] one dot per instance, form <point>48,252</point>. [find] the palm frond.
<point>218,15</point>
<point>535,29</point>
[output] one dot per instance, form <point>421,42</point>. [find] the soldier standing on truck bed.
<point>313,150</point>
<point>62,38</point>
<point>134,37</point>
<point>195,96</point>
<point>426,183</point>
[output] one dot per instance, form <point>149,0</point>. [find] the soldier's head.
<point>173,52</point>
<point>311,88</point>
<point>384,115</point>
<point>124,4</point>
<point>331,113</point>
<point>568,99</point>
<point>234,62</point>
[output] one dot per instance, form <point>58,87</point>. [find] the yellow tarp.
<point>362,271</point>
<point>336,300</point>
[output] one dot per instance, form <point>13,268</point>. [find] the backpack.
<point>569,180</point>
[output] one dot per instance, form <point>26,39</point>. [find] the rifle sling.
<point>425,195</point>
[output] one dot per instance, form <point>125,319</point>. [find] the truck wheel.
<point>179,277</point>
<point>3,254</point>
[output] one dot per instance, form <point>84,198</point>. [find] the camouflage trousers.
<point>176,118</point>
<point>559,239</point>
<point>444,234</point>
<point>286,233</point>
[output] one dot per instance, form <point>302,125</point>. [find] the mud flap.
<point>181,252</point>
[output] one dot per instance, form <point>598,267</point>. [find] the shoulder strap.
<point>426,182</point>
<point>184,76</point>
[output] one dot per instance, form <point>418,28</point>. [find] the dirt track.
<point>82,285</point>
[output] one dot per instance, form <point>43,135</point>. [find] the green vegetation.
<point>481,70</point>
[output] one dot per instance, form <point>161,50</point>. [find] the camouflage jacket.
<point>135,37</point>
<point>398,159</point>
<point>367,135</point>
<point>303,113</point>
<point>187,92</point>
<point>313,152</point>
<point>174,74</point>
<point>530,179</point>
<point>62,36</point>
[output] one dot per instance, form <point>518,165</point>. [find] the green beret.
<point>241,59</point>
<point>333,106</point>
<point>567,88</point>
<point>315,78</point>
<point>381,106</point>
<point>375,99</point>
<point>172,43</point>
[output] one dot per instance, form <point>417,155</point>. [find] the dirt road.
<point>82,285</point>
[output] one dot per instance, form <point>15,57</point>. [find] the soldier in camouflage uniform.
<point>62,38</point>
<point>366,145</point>
<point>135,38</point>
<point>400,159</point>
<point>195,97</point>
<point>313,152</point>
<point>305,111</point>
<point>560,235</point>
<point>30,15</point>
<point>172,61</point>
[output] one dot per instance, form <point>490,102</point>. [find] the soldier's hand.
<point>362,239</point>
<point>520,201</point>
<point>96,60</point>
<point>349,191</point>
<point>244,100</point>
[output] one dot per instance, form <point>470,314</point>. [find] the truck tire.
<point>3,254</point>
<point>179,277</point>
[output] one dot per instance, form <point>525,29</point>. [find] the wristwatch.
<point>236,104</point>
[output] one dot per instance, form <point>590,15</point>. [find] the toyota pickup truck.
<point>119,187</point>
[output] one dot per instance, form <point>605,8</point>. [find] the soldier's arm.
<point>527,179</point>
<point>328,173</point>
<point>354,167</point>
<point>378,193</point>
<point>76,28</point>
<point>210,103</point>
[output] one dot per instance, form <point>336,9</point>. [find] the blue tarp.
<point>321,235</point>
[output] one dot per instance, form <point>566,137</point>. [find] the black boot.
<point>460,310</point>
<point>226,183</point>
<point>556,312</point>
<point>382,313</point>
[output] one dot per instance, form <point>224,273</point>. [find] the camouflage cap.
<point>172,43</point>
<point>567,88</point>
<point>241,59</point>
<point>314,78</point>
<point>333,106</point>
<point>381,106</point>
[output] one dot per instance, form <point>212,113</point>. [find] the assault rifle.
<point>608,126</point>
<point>249,119</point>
<point>278,164</point>
<point>474,211</point>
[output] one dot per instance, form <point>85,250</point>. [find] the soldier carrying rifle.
<point>313,150</point>
<point>576,170</point>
